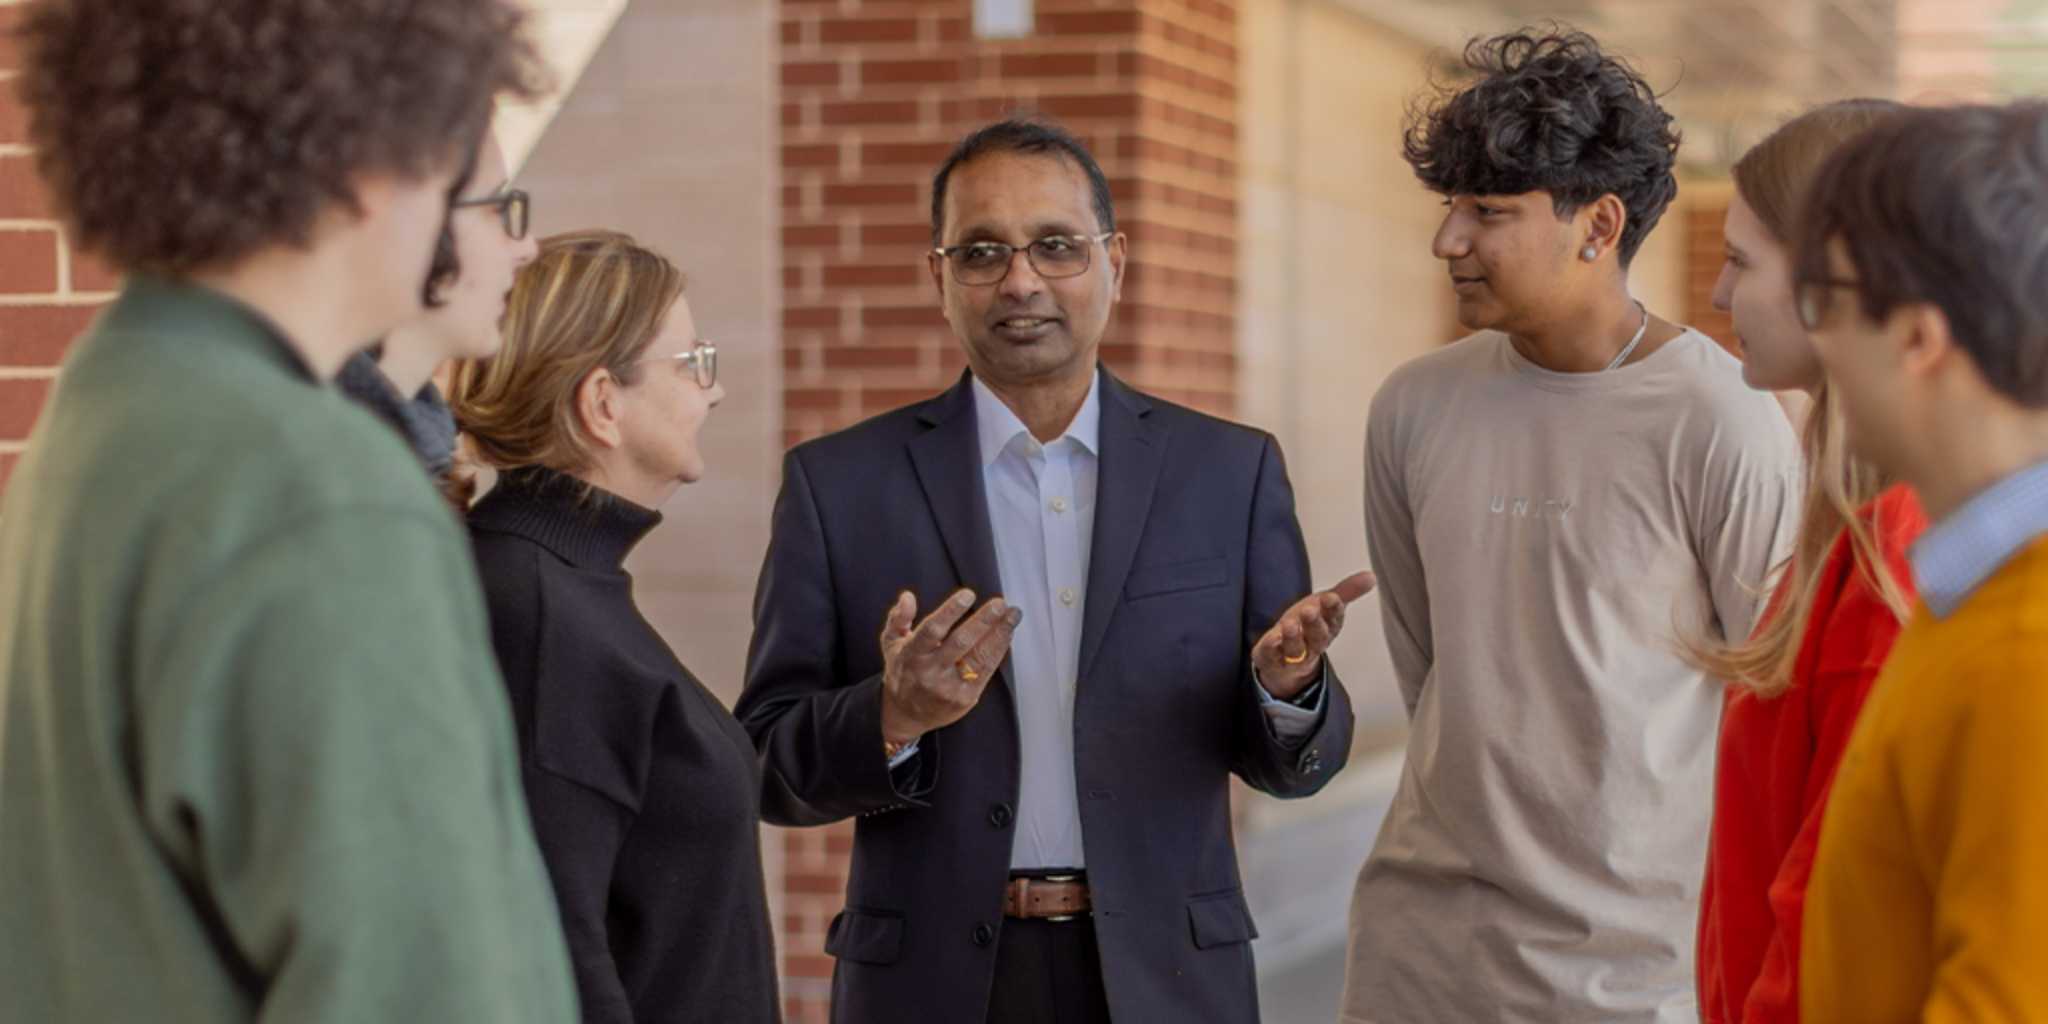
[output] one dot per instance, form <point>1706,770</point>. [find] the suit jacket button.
<point>999,816</point>
<point>983,935</point>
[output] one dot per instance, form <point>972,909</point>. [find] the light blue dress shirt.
<point>1955,556</point>
<point>1041,506</point>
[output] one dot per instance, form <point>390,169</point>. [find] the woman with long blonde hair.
<point>1797,684</point>
<point>645,792</point>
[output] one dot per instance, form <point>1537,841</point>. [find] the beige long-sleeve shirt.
<point>1542,540</point>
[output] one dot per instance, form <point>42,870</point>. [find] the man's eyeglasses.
<point>701,360</point>
<point>513,206</point>
<point>1054,256</point>
<point>1815,297</point>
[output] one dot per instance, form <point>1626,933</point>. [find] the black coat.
<point>1196,552</point>
<point>644,790</point>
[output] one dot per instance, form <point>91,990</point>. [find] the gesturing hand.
<point>1289,656</point>
<point>934,673</point>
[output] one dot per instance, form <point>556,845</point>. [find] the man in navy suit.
<point>1056,846</point>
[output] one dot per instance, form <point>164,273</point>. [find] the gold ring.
<point>1294,659</point>
<point>967,675</point>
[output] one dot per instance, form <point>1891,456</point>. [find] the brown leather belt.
<point>1053,898</point>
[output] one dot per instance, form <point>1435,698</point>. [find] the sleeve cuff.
<point>1292,722</point>
<point>905,754</point>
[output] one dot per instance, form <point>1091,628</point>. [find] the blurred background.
<point>781,152</point>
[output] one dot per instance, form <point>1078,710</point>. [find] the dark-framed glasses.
<point>514,207</point>
<point>702,362</point>
<point>1053,256</point>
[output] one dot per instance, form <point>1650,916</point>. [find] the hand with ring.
<point>1289,657</point>
<point>934,672</point>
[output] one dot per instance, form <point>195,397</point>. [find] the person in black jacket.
<point>644,789</point>
<point>1042,784</point>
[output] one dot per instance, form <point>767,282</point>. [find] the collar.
<point>151,305</point>
<point>1959,553</point>
<point>586,527</point>
<point>424,420</point>
<point>998,427</point>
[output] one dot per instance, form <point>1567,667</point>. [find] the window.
<point>1003,19</point>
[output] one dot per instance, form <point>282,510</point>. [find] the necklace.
<point>1632,342</point>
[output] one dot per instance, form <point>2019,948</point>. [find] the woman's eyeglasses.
<point>701,360</point>
<point>514,207</point>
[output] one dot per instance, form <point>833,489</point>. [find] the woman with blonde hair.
<point>644,790</point>
<point>1797,684</point>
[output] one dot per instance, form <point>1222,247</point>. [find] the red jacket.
<point>1778,759</point>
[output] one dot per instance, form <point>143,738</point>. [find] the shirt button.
<point>1067,596</point>
<point>999,816</point>
<point>983,935</point>
<point>1059,504</point>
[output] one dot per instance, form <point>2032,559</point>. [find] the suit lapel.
<point>1133,449</point>
<point>948,462</point>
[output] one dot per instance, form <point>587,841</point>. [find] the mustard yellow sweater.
<point>1929,899</point>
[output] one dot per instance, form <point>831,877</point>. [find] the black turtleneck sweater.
<point>645,791</point>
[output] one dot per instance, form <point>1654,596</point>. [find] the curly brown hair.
<point>183,135</point>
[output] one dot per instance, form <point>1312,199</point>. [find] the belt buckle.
<point>1061,918</point>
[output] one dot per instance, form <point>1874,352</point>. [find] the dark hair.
<point>178,135</point>
<point>446,267</point>
<point>1023,135</point>
<point>1946,206</point>
<point>1549,113</point>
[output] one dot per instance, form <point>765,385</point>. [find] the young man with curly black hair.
<point>1550,503</point>
<point>255,759</point>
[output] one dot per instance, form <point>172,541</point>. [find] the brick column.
<point>874,94</point>
<point>48,293</point>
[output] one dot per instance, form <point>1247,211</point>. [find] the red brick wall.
<point>47,291</point>
<point>1704,252</point>
<point>874,93</point>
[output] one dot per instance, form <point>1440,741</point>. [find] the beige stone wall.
<point>1658,277</point>
<point>670,135</point>
<point>1941,56</point>
<point>1337,286</point>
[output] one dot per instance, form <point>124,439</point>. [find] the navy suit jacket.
<point>1196,553</point>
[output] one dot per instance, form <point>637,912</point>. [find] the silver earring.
<point>1590,253</point>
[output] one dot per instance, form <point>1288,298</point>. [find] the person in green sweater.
<point>255,759</point>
